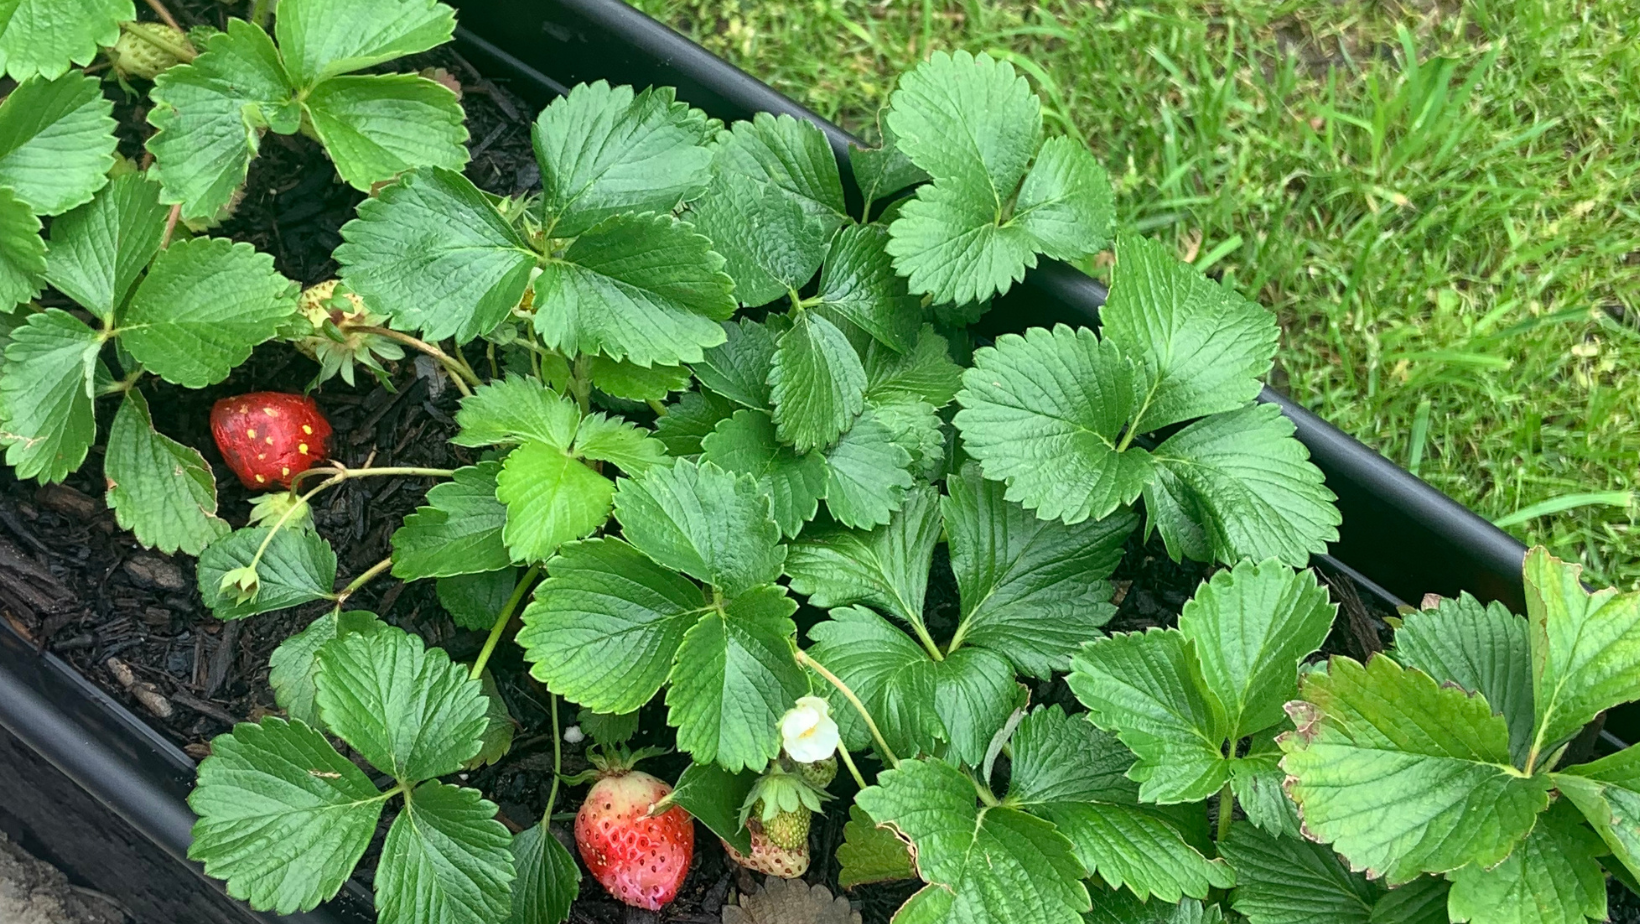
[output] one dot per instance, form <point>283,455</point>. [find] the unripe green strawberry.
<point>770,858</point>
<point>790,830</point>
<point>134,55</point>
<point>820,773</point>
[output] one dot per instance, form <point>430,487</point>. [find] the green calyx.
<point>779,792</point>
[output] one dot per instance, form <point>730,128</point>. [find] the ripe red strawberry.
<point>268,437</point>
<point>639,858</point>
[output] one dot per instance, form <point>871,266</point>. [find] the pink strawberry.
<point>269,437</point>
<point>769,857</point>
<point>641,859</point>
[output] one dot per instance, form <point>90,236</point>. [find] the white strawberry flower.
<point>809,731</point>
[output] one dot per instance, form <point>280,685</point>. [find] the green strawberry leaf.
<point>618,442</point>
<point>917,428</point>
<point>881,172</point>
<point>1045,412</point>
<point>209,116</point>
<point>23,258</point>
<point>890,672</point>
<point>712,525</point>
<point>517,409</point>
<point>689,420</point>
<point>548,878</point>
<point>1289,880</point>
<point>283,818</point>
<point>859,283</point>
<point>1607,791</point>
<point>1585,650</point>
<point>1404,776</point>
<point>203,306</point>
<point>636,383</point>
<point>1066,205</point>
<point>551,497</point>
<point>46,420</point>
<point>745,444</point>
<point>158,488</point>
<point>1204,347</point>
<point>401,705</point>
<point>605,151</point>
<point>871,854</point>
<point>447,860</point>
<point>604,627</point>
<point>1421,901</point>
<point>974,693</point>
<point>1250,487</point>
<point>1553,877</point>
<point>868,474</point>
<point>736,677</point>
<point>323,38</point>
<point>1480,647</point>
<point>816,383</point>
<point>606,728</point>
<point>991,864</point>
<point>1123,908</point>
<point>432,253</point>
<point>457,531</point>
<point>45,36</point>
<point>376,126</point>
<point>886,568</point>
<point>926,373</point>
<point>769,245</point>
<point>738,368</point>
<point>793,157</point>
<point>298,567</point>
<point>294,665</point>
<point>949,244</point>
<point>645,288</point>
<point>1257,780</point>
<point>1033,590</point>
<point>1070,773</point>
<point>475,600</point>
<point>498,726</point>
<point>714,796</point>
<point>99,249</point>
<point>56,136</point>
<point>1148,687</point>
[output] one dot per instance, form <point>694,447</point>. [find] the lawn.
<point>1440,200</point>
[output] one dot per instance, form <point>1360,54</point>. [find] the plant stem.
<point>501,621</point>
<point>165,14</point>
<point>339,473</point>
<point>580,382</point>
<point>464,377</point>
<point>849,763</point>
<point>804,659</point>
<point>301,504</point>
<point>927,640</point>
<point>182,51</point>
<point>370,574</point>
<point>1227,802</point>
<point>984,792</point>
<point>170,226</point>
<point>557,763</point>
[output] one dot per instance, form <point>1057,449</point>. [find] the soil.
<point>76,584</point>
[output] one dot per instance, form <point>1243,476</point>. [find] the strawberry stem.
<point>1226,804</point>
<point>804,659</point>
<point>460,373</point>
<point>849,763</point>
<point>170,226</point>
<point>557,759</point>
<point>182,51</point>
<point>370,574</point>
<point>339,473</point>
<point>165,14</point>
<point>501,621</point>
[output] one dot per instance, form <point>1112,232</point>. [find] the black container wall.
<point>70,748</point>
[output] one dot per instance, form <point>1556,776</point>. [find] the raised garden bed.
<point>1400,539</point>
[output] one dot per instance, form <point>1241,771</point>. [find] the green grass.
<point>1443,207</point>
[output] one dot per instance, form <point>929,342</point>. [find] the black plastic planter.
<point>87,783</point>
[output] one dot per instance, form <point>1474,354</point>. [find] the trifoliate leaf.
<point>816,383</point>
<point>210,114</point>
<point>1045,412</point>
<point>1480,647</point>
<point>1586,649</point>
<point>1069,772</point>
<point>915,427</point>
<point>474,601</point>
<point>1250,483</point>
<point>1252,627</point>
<point>890,672</point>
<point>886,567</point>
<point>1289,880</point>
<point>924,374</point>
<point>294,665</point>
<point>1148,688</point>
<point>517,409</point>
<point>433,254</point>
<point>99,249</point>
<point>859,283</point>
<point>715,797</point>
<point>868,473</point>
<point>446,860</point>
<point>871,854</point>
<point>1256,780</point>
<point>457,531</point>
<point>323,38</point>
<point>604,626</point>
<point>203,306</point>
<point>974,693</point>
<point>403,706</point>
<point>636,383</point>
<point>793,157</point>
<point>159,489</point>
<point>548,878</point>
<point>1402,775</point>
<point>376,126</point>
<point>951,242</point>
<point>712,525</point>
<point>297,567</point>
<point>736,677</point>
<point>46,417</point>
<point>283,818</point>
<point>56,136</point>
<point>23,258</point>
<point>746,444</point>
<point>551,497</point>
<point>619,442</point>
<point>993,864</point>
<point>1607,791</point>
<point>769,245</point>
<point>45,36</point>
<point>1553,877</point>
<point>1066,204</point>
<point>1031,589</point>
<point>689,420</point>
<point>1204,346</point>
<point>738,369</point>
<point>604,151</point>
<point>645,288</point>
